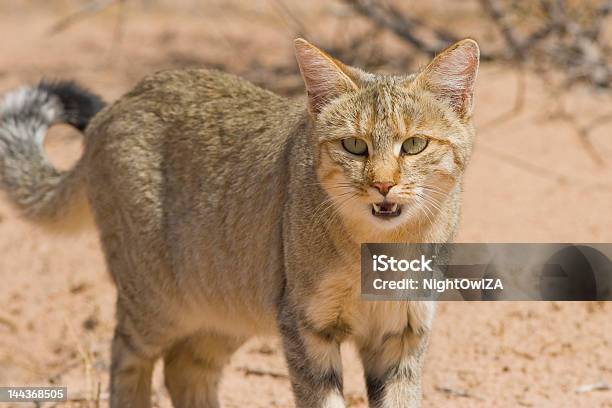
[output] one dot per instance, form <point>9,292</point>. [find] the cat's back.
<point>193,100</point>
<point>193,122</point>
<point>185,146</point>
<point>198,85</point>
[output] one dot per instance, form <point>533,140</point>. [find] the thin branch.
<point>398,25</point>
<point>493,9</point>
<point>256,371</point>
<point>88,9</point>
<point>414,31</point>
<point>291,19</point>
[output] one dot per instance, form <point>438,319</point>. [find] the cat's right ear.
<point>325,77</point>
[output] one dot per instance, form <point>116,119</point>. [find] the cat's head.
<point>390,148</point>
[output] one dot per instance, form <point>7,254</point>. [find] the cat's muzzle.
<point>386,209</point>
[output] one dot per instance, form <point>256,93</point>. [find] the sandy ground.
<point>530,180</point>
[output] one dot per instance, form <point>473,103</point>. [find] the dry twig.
<point>259,372</point>
<point>88,9</point>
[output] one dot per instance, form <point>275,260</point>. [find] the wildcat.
<point>225,211</point>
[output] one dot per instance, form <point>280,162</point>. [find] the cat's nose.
<point>383,187</point>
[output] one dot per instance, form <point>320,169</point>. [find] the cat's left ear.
<point>452,74</point>
<point>325,77</point>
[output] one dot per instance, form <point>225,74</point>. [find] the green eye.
<point>414,145</point>
<point>355,146</point>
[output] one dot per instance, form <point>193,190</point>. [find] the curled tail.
<point>39,190</point>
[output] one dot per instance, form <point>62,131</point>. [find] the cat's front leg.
<point>313,357</point>
<point>393,368</point>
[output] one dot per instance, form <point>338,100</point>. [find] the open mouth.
<point>386,209</point>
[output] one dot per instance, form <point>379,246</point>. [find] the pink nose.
<point>383,187</point>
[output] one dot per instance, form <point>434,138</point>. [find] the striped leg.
<point>393,369</point>
<point>315,365</point>
<point>133,357</point>
<point>193,368</point>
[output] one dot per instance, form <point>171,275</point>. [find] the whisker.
<point>436,193</point>
<point>427,211</point>
<point>328,204</point>
<point>337,210</point>
<point>434,189</point>
<point>432,201</point>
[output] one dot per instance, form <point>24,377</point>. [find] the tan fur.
<point>227,211</point>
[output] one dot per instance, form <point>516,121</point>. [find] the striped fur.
<point>226,211</point>
<point>40,191</point>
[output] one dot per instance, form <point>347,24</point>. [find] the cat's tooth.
<point>394,208</point>
<point>376,207</point>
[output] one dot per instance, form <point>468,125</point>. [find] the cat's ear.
<point>452,74</point>
<point>325,77</point>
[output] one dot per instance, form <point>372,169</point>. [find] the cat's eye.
<point>414,145</point>
<point>355,146</point>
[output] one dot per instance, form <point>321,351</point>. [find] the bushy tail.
<point>40,191</point>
